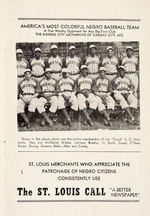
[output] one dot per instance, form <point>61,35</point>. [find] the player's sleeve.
<point>37,88</point>
<point>20,89</point>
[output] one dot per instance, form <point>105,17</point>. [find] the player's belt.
<point>28,93</point>
<point>73,74</point>
<point>133,72</point>
<point>20,76</point>
<point>93,73</point>
<point>47,91</point>
<point>37,76</point>
<point>57,72</point>
<point>102,91</point>
<point>110,74</point>
<point>66,91</point>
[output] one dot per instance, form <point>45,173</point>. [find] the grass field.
<point>118,123</point>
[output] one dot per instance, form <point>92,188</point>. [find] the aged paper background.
<point>137,177</point>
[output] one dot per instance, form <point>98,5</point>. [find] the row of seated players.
<point>99,94</point>
<point>73,63</point>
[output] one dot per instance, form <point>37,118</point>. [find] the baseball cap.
<point>27,70</point>
<point>92,46</point>
<point>48,70</point>
<point>72,47</point>
<point>19,51</point>
<point>110,47</point>
<point>37,49</point>
<point>102,69</point>
<point>121,67</point>
<point>64,70</point>
<point>54,47</point>
<point>83,67</point>
<point>129,47</point>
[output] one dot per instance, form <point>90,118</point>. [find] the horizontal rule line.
<point>89,151</point>
<point>78,200</point>
<point>79,19</point>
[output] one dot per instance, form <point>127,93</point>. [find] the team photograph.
<point>78,86</point>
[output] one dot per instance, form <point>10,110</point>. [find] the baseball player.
<point>111,62</point>
<point>72,63</point>
<point>84,93</point>
<point>92,61</point>
<point>55,63</point>
<point>123,93</point>
<point>66,88</point>
<point>130,62</point>
<point>48,87</point>
<point>37,65</point>
<point>28,93</point>
<point>102,92</point>
<point>22,65</point>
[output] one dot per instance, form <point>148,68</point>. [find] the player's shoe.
<point>22,124</point>
<point>107,123</point>
<point>89,121</point>
<point>43,123</point>
<point>28,125</point>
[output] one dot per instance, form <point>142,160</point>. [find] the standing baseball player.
<point>37,65</point>
<point>123,93</point>
<point>92,61</point>
<point>28,93</point>
<point>48,95</point>
<point>130,62</point>
<point>111,62</point>
<point>102,92</point>
<point>84,94</point>
<point>72,63</point>
<point>55,63</point>
<point>66,88</point>
<point>22,65</point>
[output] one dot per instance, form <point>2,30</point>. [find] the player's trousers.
<point>91,99</point>
<point>110,77</point>
<point>53,104</point>
<point>72,100</point>
<point>93,76</point>
<point>57,76</point>
<point>103,100</point>
<point>73,76</point>
<point>31,107</point>
<point>126,100</point>
<point>134,80</point>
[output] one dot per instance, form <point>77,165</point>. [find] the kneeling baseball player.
<point>28,93</point>
<point>66,88</point>
<point>104,99</point>
<point>48,95</point>
<point>123,93</point>
<point>85,94</point>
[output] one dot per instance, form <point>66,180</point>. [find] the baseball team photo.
<point>78,86</point>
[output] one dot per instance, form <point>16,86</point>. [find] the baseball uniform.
<point>86,83</point>
<point>73,65</point>
<point>93,64</point>
<point>55,64</point>
<point>130,65</point>
<point>37,66</point>
<point>48,87</point>
<point>110,65</point>
<point>27,88</point>
<point>66,86</point>
<point>21,67</point>
<point>102,95</point>
<point>123,93</point>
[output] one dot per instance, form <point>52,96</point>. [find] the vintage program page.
<point>75,86</point>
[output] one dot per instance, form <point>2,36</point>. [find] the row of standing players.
<point>58,82</point>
